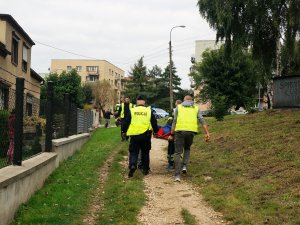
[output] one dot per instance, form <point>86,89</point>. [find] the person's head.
<point>140,100</point>
<point>127,99</point>
<point>188,98</point>
<point>178,102</point>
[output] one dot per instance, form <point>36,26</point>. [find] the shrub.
<point>4,138</point>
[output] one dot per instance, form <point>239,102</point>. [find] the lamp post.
<point>170,68</point>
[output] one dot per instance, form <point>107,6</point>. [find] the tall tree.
<point>226,82</point>
<point>104,94</point>
<point>259,24</point>
<point>138,79</point>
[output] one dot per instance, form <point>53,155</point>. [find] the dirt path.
<point>96,205</point>
<point>166,198</point>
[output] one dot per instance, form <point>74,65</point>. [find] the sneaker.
<point>184,170</point>
<point>131,171</point>
<point>177,178</point>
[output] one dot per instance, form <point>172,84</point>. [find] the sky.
<point>119,31</point>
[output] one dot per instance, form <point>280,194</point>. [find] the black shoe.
<point>131,171</point>
<point>145,172</point>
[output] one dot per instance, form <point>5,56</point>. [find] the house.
<point>15,61</point>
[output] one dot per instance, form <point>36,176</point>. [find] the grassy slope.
<point>254,163</point>
<point>66,194</point>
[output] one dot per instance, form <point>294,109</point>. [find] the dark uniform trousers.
<point>141,142</point>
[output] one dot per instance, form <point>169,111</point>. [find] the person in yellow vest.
<point>123,112</point>
<point>138,126</point>
<point>184,127</point>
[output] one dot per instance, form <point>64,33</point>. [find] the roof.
<point>13,22</point>
<point>36,76</point>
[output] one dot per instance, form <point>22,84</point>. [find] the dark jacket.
<point>126,109</point>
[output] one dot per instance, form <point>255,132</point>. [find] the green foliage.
<point>4,138</point>
<point>64,83</point>
<point>153,83</point>
<point>188,218</point>
<point>87,90</point>
<point>258,24</point>
<point>290,61</point>
<point>219,106</point>
<point>226,80</point>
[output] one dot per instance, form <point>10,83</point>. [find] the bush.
<point>4,137</point>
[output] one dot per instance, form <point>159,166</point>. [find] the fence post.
<point>49,117</point>
<point>67,113</point>
<point>18,136</point>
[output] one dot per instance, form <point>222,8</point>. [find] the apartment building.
<point>200,47</point>
<point>15,61</point>
<point>91,71</point>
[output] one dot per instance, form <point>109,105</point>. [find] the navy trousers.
<point>141,142</point>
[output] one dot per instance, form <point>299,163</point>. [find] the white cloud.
<point>120,31</point>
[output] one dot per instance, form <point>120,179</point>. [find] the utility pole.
<point>171,75</point>
<point>171,66</point>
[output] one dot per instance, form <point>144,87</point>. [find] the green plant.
<point>4,138</point>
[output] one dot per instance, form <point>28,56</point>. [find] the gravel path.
<point>166,198</point>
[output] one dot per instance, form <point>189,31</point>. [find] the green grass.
<point>123,198</point>
<point>254,163</point>
<point>65,197</point>
<point>188,218</point>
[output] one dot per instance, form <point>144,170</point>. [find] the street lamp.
<point>170,68</point>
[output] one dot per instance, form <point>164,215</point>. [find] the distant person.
<point>107,115</point>
<point>184,127</point>
<point>124,110</point>
<point>138,126</point>
<point>11,135</point>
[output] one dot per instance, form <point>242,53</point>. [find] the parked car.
<point>238,112</point>
<point>160,113</point>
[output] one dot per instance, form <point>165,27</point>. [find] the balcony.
<point>92,78</point>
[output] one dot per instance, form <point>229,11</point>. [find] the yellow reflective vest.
<point>140,120</point>
<point>187,118</point>
<point>122,110</point>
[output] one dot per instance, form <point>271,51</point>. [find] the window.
<point>78,68</point>
<point>92,68</point>
<point>25,58</point>
<point>69,68</point>
<point>29,101</point>
<point>3,96</point>
<point>14,49</point>
<point>92,78</point>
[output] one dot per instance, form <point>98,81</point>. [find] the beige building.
<point>91,71</point>
<point>15,61</point>
<point>201,46</point>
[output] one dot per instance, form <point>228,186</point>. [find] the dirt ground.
<point>166,198</point>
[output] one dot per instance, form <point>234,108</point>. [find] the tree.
<point>63,83</point>
<point>87,93</point>
<point>258,24</point>
<point>291,62</point>
<point>226,81</point>
<point>137,84</point>
<point>104,94</point>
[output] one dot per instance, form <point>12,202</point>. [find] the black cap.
<point>140,97</point>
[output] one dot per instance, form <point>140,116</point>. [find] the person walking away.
<point>184,127</point>
<point>11,134</point>
<point>107,115</point>
<point>124,110</point>
<point>138,126</point>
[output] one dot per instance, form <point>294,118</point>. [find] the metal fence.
<point>23,136</point>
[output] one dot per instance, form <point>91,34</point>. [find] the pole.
<point>18,136</point>
<point>49,117</point>
<point>171,75</point>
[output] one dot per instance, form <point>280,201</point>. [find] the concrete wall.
<point>18,183</point>
<point>66,147</point>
